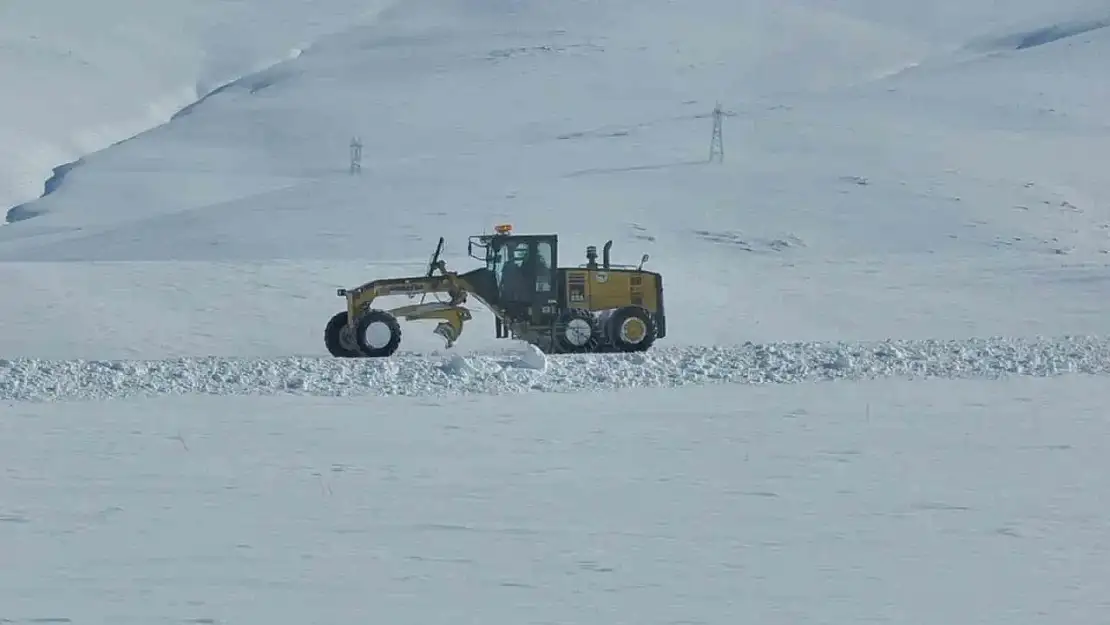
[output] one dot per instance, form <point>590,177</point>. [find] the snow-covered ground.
<point>874,502</point>
<point>910,192</point>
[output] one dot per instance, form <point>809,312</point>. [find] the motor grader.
<point>594,307</point>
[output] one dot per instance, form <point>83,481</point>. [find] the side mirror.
<point>643,259</point>
<point>470,248</point>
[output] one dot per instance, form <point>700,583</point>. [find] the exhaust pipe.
<point>605,254</point>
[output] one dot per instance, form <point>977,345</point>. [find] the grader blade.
<point>452,317</point>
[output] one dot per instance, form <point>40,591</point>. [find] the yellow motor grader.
<point>594,307</point>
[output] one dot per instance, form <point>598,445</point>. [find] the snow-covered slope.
<point>547,115</point>
<point>76,77</point>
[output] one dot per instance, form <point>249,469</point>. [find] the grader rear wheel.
<point>576,332</point>
<point>632,329</point>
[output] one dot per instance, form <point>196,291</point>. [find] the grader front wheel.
<point>339,339</point>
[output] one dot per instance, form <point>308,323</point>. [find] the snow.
<point>880,394</point>
<point>513,372</point>
<point>973,501</point>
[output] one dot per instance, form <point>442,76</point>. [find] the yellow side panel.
<point>600,290</point>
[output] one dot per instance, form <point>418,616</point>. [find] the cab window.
<point>543,255</point>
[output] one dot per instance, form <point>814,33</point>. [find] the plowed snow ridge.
<point>38,380</point>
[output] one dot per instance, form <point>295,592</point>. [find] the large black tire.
<point>371,347</point>
<point>631,329</point>
<point>576,332</point>
<point>338,339</point>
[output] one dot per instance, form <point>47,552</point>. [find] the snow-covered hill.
<point>909,190</point>
<point>76,77</point>
<point>851,136</point>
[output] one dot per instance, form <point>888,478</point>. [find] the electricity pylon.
<point>356,156</point>
<point>717,142</point>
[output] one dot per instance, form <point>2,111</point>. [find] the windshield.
<point>495,259</point>
<point>502,252</point>
<point>507,258</point>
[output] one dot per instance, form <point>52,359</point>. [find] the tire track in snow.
<point>508,373</point>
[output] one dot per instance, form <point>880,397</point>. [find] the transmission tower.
<point>717,143</point>
<point>356,156</point>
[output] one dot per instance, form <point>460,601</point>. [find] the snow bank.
<point>776,363</point>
